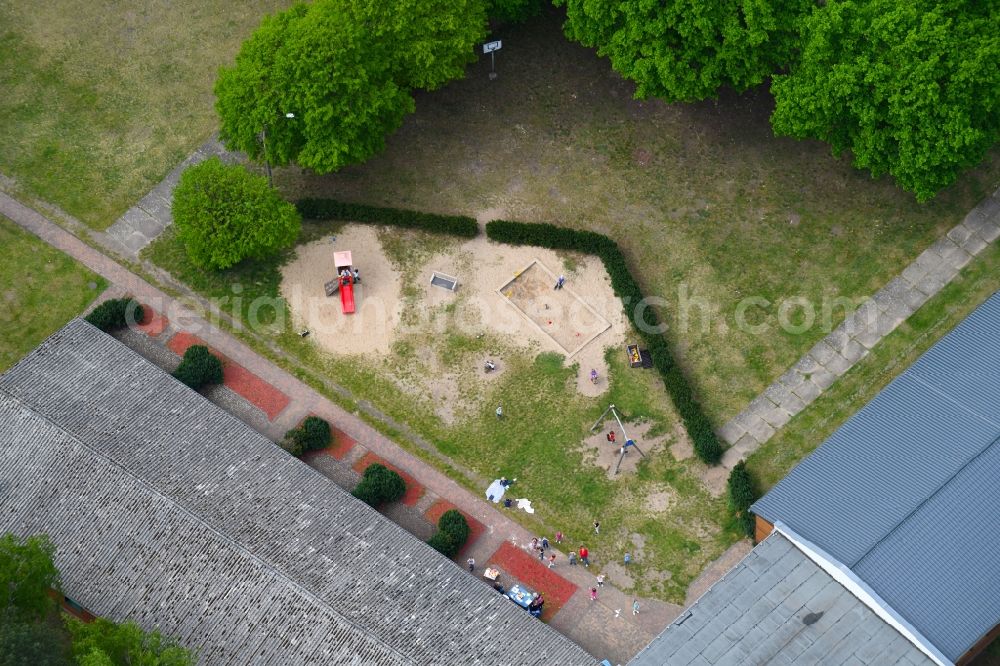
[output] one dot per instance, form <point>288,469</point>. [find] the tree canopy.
<point>224,214</point>
<point>105,643</point>
<point>686,50</point>
<point>912,89</point>
<point>345,69</point>
<point>27,573</point>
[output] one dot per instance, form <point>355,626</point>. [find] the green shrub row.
<point>706,444</point>
<point>199,367</point>
<point>312,434</point>
<point>115,313</point>
<point>742,493</point>
<point>330,209</point>
<point>379,485</point>
<point>453,532</point>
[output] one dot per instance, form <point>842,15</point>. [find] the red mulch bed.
<point>153,323</point>
<point>180,342</point>
<point>255,390</point>
<point>517,564</point>
<point>438,509</point>
<point>414,491</point>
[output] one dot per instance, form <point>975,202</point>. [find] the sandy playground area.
<point>581,320</point>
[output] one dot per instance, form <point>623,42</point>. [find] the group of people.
<point>347,274</point>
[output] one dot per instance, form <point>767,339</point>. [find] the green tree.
<point>742,494</point>
<point>224,214</point>
<point>345,69</point>
<point>911,89</point>
<point>513,11</point>
<point>105,643</point>
<point>35,643</point>
<point>27,573</point>
<point>685,50</point>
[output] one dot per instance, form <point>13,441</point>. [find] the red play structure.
<point>342,261</point>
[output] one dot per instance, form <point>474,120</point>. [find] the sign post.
<point>491,48</point>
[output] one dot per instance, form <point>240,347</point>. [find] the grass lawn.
<point>102,99</point>
<point>703,198</point>
<point>662,514</point>
<point>892,355</point>
<point>41,288</point>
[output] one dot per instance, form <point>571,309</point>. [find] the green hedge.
<point>706,444</point>
<point>199,367</point>
<point>115,313</point>
<point>742,494</point>
<point>379,485</point>
<point>312,435</point>
<point>330,209</point>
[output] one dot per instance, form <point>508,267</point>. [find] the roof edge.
<point>865,594</point>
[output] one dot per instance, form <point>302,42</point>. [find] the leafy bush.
<point>330,209</point>
<point>453,532</point>
<point>453,524</point>
<point>379,485</point>
<point>199,367</point>
<point>115,313</point>
<point>312,435</point>
<point>706,444</point>
<point>225,214</point>
<point>443,543</point>
<point>741,495</point>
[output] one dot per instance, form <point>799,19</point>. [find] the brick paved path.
<point>594,626</point>
<point>837,353</point>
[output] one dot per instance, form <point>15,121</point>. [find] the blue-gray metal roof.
<point>779,607</point>
<point>905,494</point>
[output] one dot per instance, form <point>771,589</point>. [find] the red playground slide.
<point>346,295</point>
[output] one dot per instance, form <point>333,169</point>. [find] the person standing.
<point>583,556</point>
<point>635,607</point>
<point>611,437</point>
<point>560,282</point>
<point>559,537</point>
<point>600,580</point>
<point>499,411</point>
<point>597,527</point>
<point>552,560</point>
<point>628,559</point>
<point>541,554</point>
<point>545,543</point>
<point>593,594</point>
<point>572,558</point>
<point>472,564</point>
<point>357,275</point>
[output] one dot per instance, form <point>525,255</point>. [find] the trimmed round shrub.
<point>224,214</point>
<point>312,435</point>
<point>380,485</point>
<point>741,495</point>
<point>453,524</point>
<point>115,313</point>
<point>199,367</point>
<point>444,544</point>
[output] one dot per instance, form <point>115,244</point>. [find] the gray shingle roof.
<point>905,495</point>
<point>167,510</point>
<point>756,615</point>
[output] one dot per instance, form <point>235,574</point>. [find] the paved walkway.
<point>594,625</point>
<point>146,220</point>
<point>850,342</point>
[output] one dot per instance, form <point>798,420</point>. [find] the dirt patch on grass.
<point>599,451</point>
<point>661,498</point>
<point>683,447</point>
<point>393,303</point>
<point>371,328</point>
